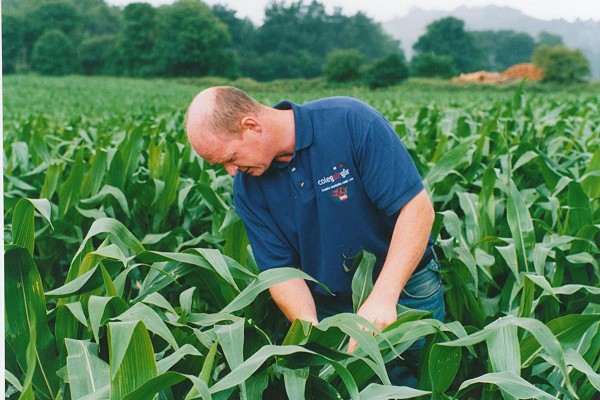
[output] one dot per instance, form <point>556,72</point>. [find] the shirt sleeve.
<point>389,175</point>
<point>269,246</point>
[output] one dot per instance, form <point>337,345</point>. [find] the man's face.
<point>245,153</point>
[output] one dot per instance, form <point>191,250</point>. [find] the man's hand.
<point>407,246</point>
<point>379,312</point>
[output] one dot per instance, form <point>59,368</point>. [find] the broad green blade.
<point>101,309</point>
<point>443,365</point>
<point>70,189</point>
<point>111,191</point>
<point>25,303</point>
<point>166,363</point>
<point>87,372</point>
<point>520,224</point>
<point>376,391</point>
<point>503,349</point>
<point>362,281</point>
<point>217,261</point>
<point>578,362</point>
<point>23,228</point>
<point>132,360</point>
<point>245,370</point>
<point>152,321</point>
<point>567,329</point>
<point>231,338</point>
<point>510,383</point>
<point>265,280</point>
<point>295,382</point>
<point>351,324</point>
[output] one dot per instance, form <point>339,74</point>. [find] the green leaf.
<point>376,391</point>
<point>520,224</point>
<point>578,362</point>
<point>164,381</point>
<point>70,189</point>
<point>102,308</point>
<point>111,191</point>
<point>265,280</point>
<point>295,382</point>
<point>23,228</point>
<point>166,363</point>
<point>362,281</point>
<point>443,365</point>
<point>25,310</point>
<point>151,320</point>
<point>217,261</point>
<point>246,369</point>
<point>510,383</point>
<point>449,162</point>
<point>504,351</point>
<point>132,361</point>
<point>207,366</point>
<point>87,372</point>
<point>231,338</point>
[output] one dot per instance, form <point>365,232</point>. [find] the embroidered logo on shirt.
<point>341,193</point>
<point>339,176</point>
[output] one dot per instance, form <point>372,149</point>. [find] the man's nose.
<point>230,168</point>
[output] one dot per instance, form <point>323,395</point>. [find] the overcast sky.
<point>383,10</point>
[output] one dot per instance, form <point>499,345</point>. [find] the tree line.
<point>190,38</point>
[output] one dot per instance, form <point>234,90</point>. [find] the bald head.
<point>218,111</point>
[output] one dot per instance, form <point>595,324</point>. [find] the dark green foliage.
<point>98,55</point>
<point>137,37</point>
<point>549,38</point>
<point>343,65</point>
<point>53,54</point>
<point>58,15</point>
<point>561,64</point>
<point>432,65</point>
<point>191,41</point>
<point>505,48</point>
<point>387,71</point>
<point>447,37</point>
<point>12,42</point>
<point>300,28</point>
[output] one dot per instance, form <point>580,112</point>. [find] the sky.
<point>384,10</point>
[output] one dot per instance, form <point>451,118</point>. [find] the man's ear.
<point>250,123</point>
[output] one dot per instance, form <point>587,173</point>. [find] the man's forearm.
<point>295,300</point>
<point>407,246</point>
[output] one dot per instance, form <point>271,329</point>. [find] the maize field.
<point>128,274</point>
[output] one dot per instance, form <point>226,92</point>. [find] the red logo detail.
<point>341,193</point>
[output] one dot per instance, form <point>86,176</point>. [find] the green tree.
<point>53,54</point>
<point>12,42</point>
<point>505,48</point>
<point>98,55</point>
<point>432,65</point>
<point>387,71</point>
<point>52,15</point>
<point>343,65</point>
<point>307,28</point>
<point>549,39</point>
<point>447,37</point>
<point>561,64</point>
<point>136,39</point>
<point>191,41</point>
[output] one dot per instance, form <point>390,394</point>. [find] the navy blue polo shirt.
<point>340,193</point>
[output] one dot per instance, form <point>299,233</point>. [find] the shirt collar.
<point>302,122</point>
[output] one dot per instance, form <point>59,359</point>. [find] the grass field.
<point>128,273</point>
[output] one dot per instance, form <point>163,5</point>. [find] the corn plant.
<point>128,274</point>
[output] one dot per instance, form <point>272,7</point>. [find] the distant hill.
<point>584,35</point>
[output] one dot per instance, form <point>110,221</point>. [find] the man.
<point>314,185</point>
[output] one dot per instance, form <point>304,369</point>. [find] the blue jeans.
<point>423,291</point>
